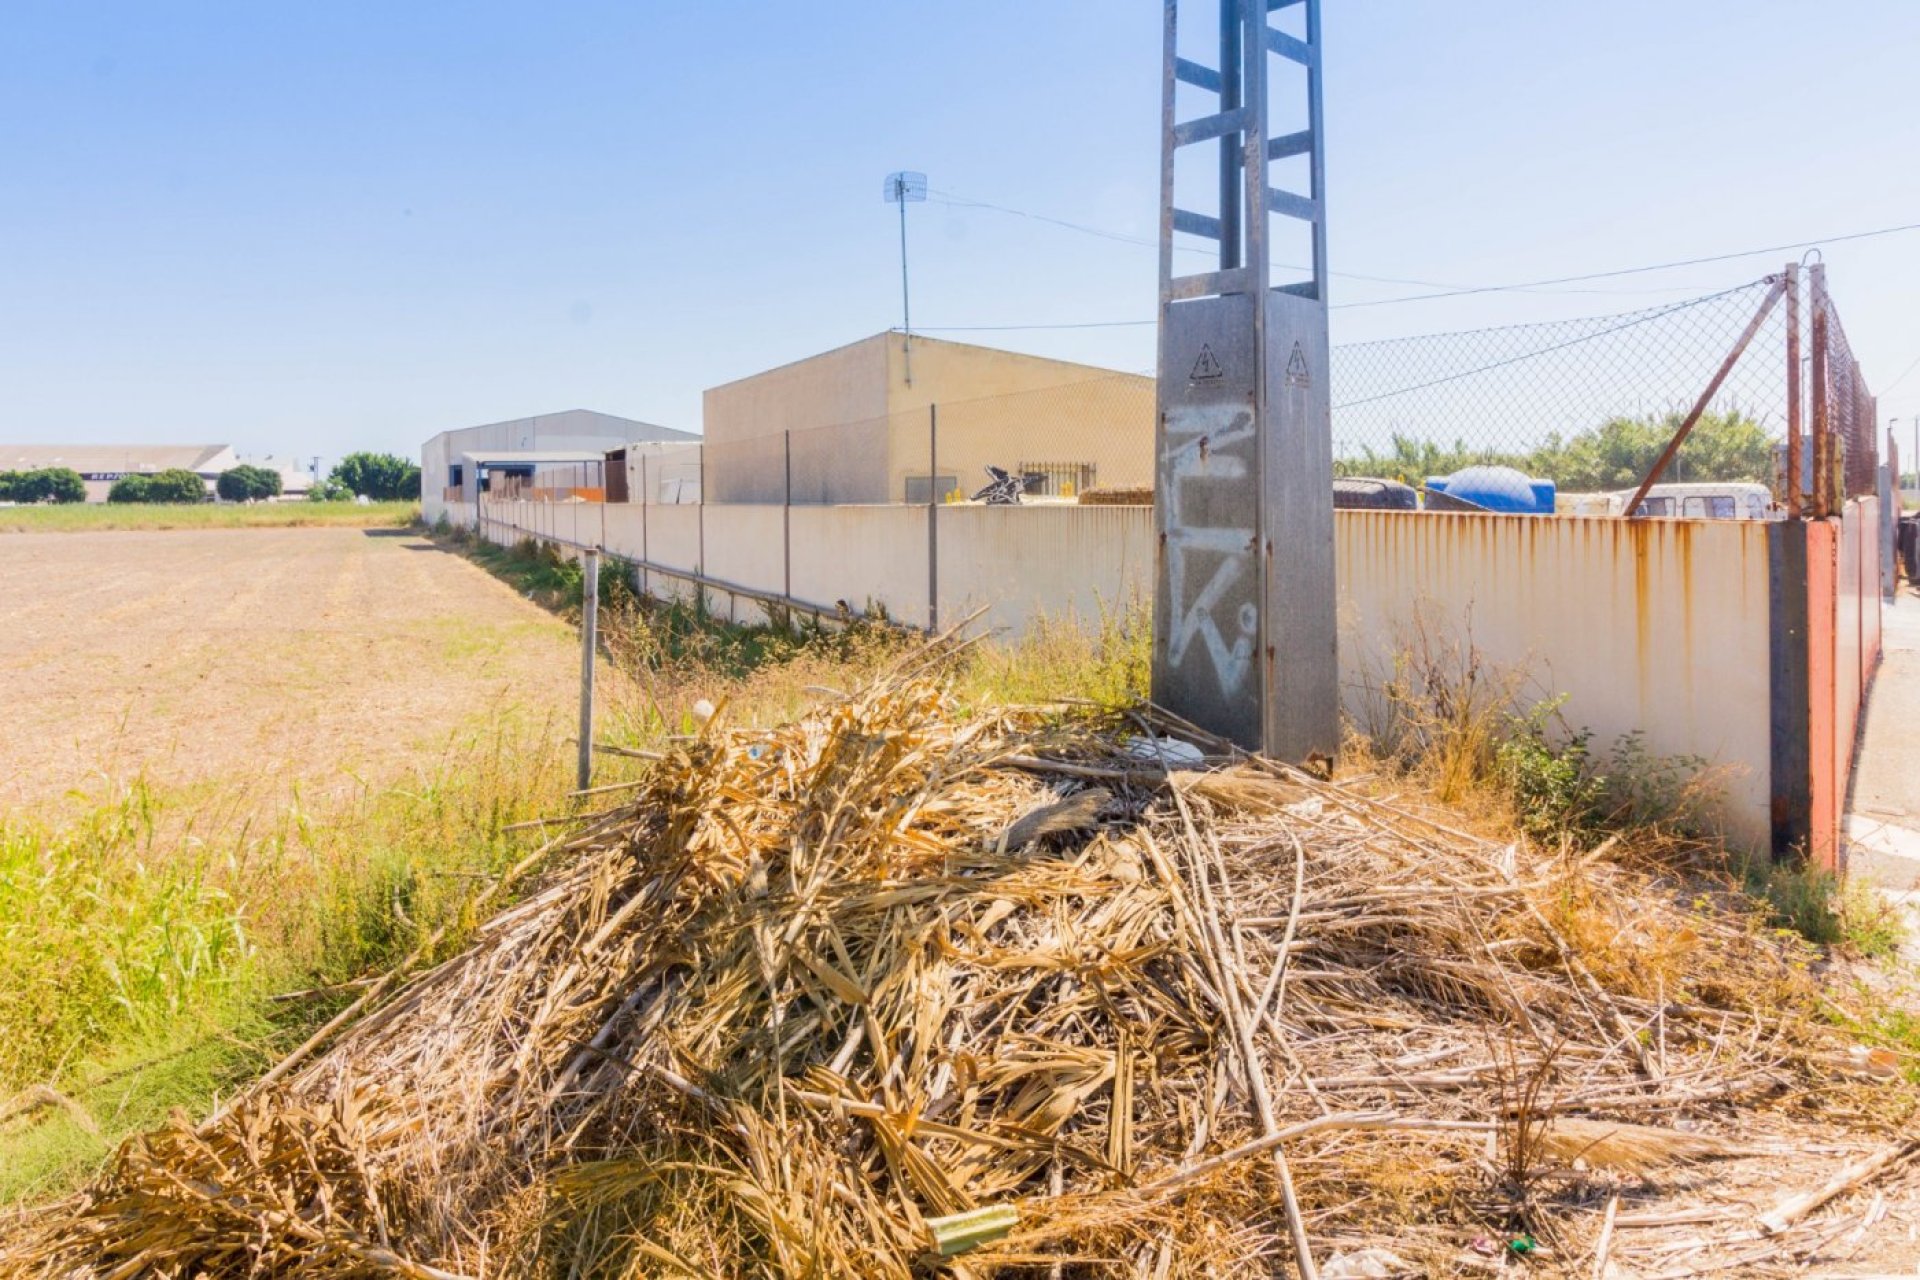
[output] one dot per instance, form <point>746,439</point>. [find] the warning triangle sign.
<point>1206,366</point>
<point>1297,375</point>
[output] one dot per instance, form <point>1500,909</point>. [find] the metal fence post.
<point>589,641</point>
<point>933,518</point>
<point>786,523</point>
<point>1822,423</point>
<point>1794,475</point>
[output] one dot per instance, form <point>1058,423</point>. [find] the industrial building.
<point>858,422</point>
<point>561,454</point>
<point>100,465</point>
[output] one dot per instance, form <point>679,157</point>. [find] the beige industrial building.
<point>100,465</point>
<point>861,428</point>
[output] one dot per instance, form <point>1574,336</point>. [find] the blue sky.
<point>309,228</point>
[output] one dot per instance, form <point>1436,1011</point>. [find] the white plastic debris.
<point>1175,753</point>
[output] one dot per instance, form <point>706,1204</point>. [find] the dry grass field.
<point>257,658</point>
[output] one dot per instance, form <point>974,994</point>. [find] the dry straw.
<point>809,989</point>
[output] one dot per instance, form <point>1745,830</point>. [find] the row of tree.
<point>46,484</point>
<point>379,477</point>
<point>1616,454</point>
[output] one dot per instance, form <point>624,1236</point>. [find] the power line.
<point>1903,376</point>
<point>954,199</point>
<point>1630,271</point>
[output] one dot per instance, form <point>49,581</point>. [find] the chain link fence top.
<point>1852,415</point>
<point>1587,403</point>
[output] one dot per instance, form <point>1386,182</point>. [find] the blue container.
<point>1497,489</point>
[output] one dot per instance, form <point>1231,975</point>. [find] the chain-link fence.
<point>1588,403</point>
<point>1592,404</point>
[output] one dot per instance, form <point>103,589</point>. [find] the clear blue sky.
<point>309,228</point>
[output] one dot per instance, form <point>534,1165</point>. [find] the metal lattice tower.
<point>1244,623</point>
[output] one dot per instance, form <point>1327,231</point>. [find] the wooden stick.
<point>1606,1238</point>
<point>1798,1206</point>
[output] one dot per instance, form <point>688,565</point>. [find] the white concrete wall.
<point>1022,563</point>
<point>865,556</point>
<point>1657,625</point>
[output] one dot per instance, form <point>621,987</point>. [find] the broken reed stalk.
<point>805,995</point>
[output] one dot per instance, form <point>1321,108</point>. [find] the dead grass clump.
<point>816,990</point>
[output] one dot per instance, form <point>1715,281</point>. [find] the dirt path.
<point>258,657</point>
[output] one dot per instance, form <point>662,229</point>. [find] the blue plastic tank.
<point>1497,489</point>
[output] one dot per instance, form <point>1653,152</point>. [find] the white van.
<point>1729,500</point>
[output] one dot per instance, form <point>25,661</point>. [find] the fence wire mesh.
<point>1587,403</point>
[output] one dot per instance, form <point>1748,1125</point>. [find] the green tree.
<point>329,490</point>
<point>247,483</point>
<point>62,484</point>
<point>1617,454</point>
<point>47,484</point>
<point>384,477</point>
<point>128,489</point>
<point>1411,461</point>
<point>171,485</point>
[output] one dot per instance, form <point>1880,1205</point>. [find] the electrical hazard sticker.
<point>1297,375</point>
<point>1206,366</point>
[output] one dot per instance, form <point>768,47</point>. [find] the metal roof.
<point>484,457</point>
<point>95,458</point>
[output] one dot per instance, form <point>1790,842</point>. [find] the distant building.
<point>859,429</point>
<point>100,465</point>
<point>541,454</point>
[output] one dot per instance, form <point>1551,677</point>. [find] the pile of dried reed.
<point>813,989</point>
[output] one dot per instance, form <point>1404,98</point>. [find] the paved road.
<point>1883,823</point>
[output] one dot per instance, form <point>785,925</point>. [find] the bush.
<point>247,483</point>
<point>329,490</point>
<point>384,477</point>
<point>48,484</point>
<point>171,485</point>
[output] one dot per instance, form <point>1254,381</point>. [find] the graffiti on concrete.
<point>1209,455</point>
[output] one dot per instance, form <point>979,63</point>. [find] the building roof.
<point>488,457</point>
<point>99,459</point>
<point>575,422</point>
<point>921,339</point>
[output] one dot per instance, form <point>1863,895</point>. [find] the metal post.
<point>1793,392</point>
<point>786,522</point>
<point>933,519</point>
<point>1822,409</point>
<point>589,642</point>
<point>1706,398</point>
<point>1244,617</point>
<point>1230,99</point>
<point>906,305</point>
<point>700,523</point>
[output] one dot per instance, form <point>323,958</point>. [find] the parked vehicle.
<point>1491,488</point>
<point>1726,500</point>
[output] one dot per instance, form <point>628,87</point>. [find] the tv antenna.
<point>904,188</point>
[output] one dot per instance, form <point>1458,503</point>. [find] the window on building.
<point>454,480</point>
<point>1057,479</point>
<point>918,489</point>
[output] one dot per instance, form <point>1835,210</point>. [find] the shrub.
<point>329,490</point>
<point>247,483</point>
<point>384,477</point>
<point>48,484</point>
<point>171,485</point>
